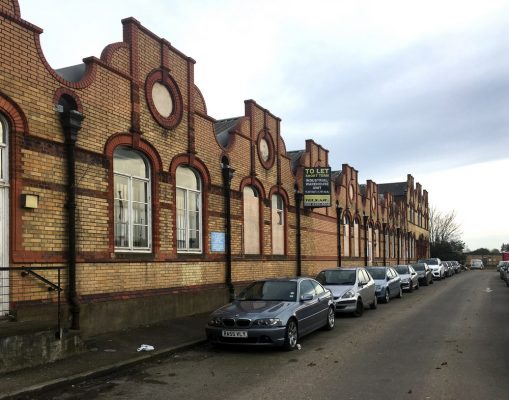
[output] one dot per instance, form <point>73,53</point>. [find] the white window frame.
<point>130,178</point>
<point>187,192</point>
<point>278,223</point>
<point>356,235</point>
<point>346,236</point>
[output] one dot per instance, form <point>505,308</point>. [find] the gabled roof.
<point>396,188</point>
<point>222,129</point>
<point>73,73</point>
<point>295,157</point>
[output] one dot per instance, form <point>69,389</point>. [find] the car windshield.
<point>270,291</point>
<point>418,267</point>
<point>336,277</point>
<point>402,269</point>
<point>432,261</point>
<point>377,273</point>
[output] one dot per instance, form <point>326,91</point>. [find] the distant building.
<point>114,170</point>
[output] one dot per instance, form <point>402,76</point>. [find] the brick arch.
<point>15,116</point>
<point>193,162</point>
<point>65,91</point>
<point>132,141</point>
<point>251,181</point>
<point>282,192</point>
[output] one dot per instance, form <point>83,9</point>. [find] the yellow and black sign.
<point>317,187</point>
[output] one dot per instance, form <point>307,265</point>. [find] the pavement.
<point>107,353</point>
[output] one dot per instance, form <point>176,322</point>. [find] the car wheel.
<point>291,335</point>
<point>400,294</point>
<point>387,296</point>
<point>359,309</point>
<point>411,289</point>
<point>417,287</point>
<point>331,319</point>
<point>374,305</point>
<point>431,281</point>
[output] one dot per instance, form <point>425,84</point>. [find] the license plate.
<point>241,334</point>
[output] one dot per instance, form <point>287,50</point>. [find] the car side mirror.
<point>388,278</point>
<point>306,297</point>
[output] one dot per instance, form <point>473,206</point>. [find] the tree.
<point>505,247</point>
<point>443,227</point>
<point>449,250</point>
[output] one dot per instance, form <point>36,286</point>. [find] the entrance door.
<point>4,214</point>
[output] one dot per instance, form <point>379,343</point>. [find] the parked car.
<point>448,269</point>
<point>476,264</point>
<point>437,268</point>
<point>353,289</point>
<point>274,312</point>
<point>457,266</point>
<point>409,278</point>
<point>423,273</point>
<point>500,263</point>
<point>503,270</point>
<point>387,282</point>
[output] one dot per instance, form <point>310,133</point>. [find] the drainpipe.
<point>227,172</point>
<point>384,227</point>
<point>298,200</point>
<point>339,213</point>
<point>365,220</point>
<point>71,124</point>
<point>399,242</point>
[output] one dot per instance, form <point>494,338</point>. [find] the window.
<point>346,237</point>
<point>188,196</point>
<point>387,248</point>
<point>3,150</point>
<point>370,243</point>
<point>307,288</point>
<point>376,243</point>
<point>356,237</point>
<point>278,225</point>
<point>251,220</point>
<point>132,200</point>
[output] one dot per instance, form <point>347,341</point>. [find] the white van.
<point>475,263</point>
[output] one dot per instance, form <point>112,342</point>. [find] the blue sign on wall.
<point>217,241</point>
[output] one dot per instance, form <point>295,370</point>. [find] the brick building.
<point>114,170</point>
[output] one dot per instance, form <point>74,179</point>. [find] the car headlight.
<point>350,293</point>
<point>267,323</point>
<point>378,287</point>
<point>216,321</point>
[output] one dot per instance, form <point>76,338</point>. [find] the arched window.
<point>132,200</point>
<point>278,224</point>
<point>356,238</point>
<point>376,242</point>
<point>189,210</point>
<point>370,243</point>
<point>251,220</point>
<point>346,236</point>
<point>387,244</point>
<point>4,214</point>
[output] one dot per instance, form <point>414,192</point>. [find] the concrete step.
<point>28,344</point>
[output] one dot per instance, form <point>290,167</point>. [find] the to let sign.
<point>317,187</point>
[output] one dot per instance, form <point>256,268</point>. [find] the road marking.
<point>488,290</point>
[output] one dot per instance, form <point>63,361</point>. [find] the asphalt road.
<point>446,341</point>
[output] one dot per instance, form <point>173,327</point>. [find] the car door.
<point>309,307</point>
<point>366,291</point>
<point>323,298</point>
<point>394,282</point>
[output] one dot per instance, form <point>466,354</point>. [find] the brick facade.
<point>114,95</point>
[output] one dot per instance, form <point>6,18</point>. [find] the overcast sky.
<point>389,87</point>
